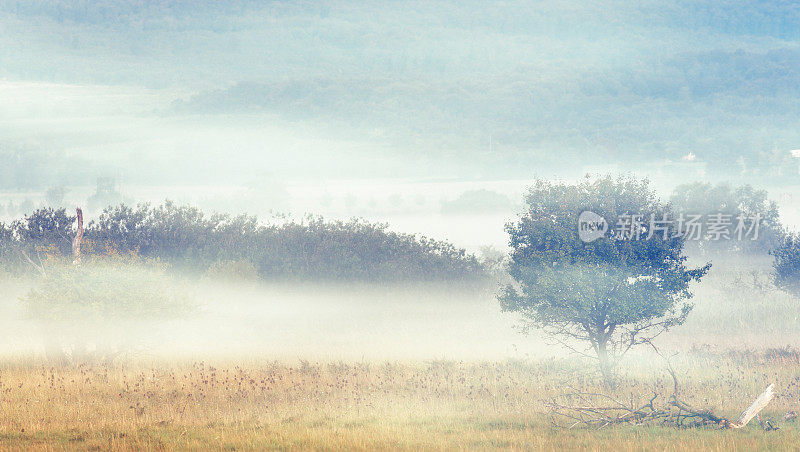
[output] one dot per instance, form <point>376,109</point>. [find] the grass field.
<point>423,405</point>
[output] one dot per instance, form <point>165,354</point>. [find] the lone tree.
<point>613,293</point>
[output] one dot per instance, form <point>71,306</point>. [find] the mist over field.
<point>376,208</point>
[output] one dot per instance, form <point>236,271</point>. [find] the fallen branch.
<point>590,410</point>
<point>596,410</point>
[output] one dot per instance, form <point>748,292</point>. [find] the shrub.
<point>106,289</point>
<point>90,303</point>
<point>786,263</point>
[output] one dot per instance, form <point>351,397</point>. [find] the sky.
<point>241,102</point>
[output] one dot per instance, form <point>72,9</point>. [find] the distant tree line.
<point>187,239</point>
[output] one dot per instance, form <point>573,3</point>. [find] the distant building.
<point>796,154</point>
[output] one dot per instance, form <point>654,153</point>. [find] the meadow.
<point>371,405</point>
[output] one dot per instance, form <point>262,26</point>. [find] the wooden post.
<point>76,242</point>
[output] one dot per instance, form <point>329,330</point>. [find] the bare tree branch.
<point>39,267</point>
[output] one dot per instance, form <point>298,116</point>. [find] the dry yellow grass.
<point>433,405</point>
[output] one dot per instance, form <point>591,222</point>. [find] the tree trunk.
<point>604,362</point>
